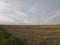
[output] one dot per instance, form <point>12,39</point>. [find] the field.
<point>35,34</point>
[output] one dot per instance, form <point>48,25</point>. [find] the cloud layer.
<point>30,11</point>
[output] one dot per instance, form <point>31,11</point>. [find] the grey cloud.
<point>54,18</point>
<point>29,11</point>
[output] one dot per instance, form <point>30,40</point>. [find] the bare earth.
<point>35,34</point>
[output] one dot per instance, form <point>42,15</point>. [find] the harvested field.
<point>35,34</point>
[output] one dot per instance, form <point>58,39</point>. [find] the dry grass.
<point>35,35</point>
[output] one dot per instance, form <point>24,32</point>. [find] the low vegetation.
<point>24,36</point>
<point>8,39</point>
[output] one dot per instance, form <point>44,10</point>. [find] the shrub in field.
<point>7,39</point>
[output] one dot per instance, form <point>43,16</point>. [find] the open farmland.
<point>35,34</point>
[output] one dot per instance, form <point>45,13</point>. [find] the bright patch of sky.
<point>39,12</point>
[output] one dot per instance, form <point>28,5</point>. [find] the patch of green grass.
<point>7,39</point>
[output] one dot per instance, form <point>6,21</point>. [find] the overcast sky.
<point>39,12</point>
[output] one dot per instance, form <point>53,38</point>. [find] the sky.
<point>31,12</point>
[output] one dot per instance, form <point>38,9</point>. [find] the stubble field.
<point>35,34</point>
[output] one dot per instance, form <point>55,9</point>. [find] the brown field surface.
<point>36,34</point>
